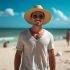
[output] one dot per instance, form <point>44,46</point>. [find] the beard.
<point>38,23</point>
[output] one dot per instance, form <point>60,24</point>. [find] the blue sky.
<point>11,13</point>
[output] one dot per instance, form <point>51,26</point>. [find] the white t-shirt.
<point>35,55</point>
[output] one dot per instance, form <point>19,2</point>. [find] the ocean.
<point>12,34</point>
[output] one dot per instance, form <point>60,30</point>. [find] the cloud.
<point>1,13</point>
<point>60,16</point>
<point>8,12</point>
<point>22,14</point>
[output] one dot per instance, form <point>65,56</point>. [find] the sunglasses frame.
<point>38,16</point>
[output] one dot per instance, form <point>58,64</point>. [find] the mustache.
<point>36,24</point>
<point>38,20</point>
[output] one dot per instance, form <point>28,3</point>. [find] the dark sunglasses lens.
<point>34,16</point>
<point>38,16</point>
<point>41,16</point>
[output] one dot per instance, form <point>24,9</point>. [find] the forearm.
<point>17,62</point>
<point>52,61</point>
<point>52,64</point>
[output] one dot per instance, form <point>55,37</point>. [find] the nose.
<point>37,18</point>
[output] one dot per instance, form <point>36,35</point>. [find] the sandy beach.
<point>62,58</point>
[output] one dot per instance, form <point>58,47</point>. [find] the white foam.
<point>7,38</point>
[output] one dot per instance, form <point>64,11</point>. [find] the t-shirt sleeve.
<point>51,42</point>
<point>20,43</point>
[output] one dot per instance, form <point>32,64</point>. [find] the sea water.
<point>12,34</point>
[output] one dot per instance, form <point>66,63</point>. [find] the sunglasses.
<point>38,16</point>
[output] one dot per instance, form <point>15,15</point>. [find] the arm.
<point>52,63</point>
<point>17,60</point>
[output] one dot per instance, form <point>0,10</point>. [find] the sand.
<point>62,60</point>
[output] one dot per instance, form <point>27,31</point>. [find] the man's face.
<point>37,17</point>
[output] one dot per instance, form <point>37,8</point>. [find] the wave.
<point>59,37</point>
<point>7,38</point>
<point>15,38</point>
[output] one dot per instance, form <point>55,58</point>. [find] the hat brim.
<point>27,15</point>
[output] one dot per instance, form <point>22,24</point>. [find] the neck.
<point>36,29</point>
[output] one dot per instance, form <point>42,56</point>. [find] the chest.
<point>41,41</point>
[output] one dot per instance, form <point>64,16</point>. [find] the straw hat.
<point>27,15</point>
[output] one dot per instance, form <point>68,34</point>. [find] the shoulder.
<point>48,33</point>
<point>23,34</point>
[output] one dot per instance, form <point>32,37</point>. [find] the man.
<point>35,45</point>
